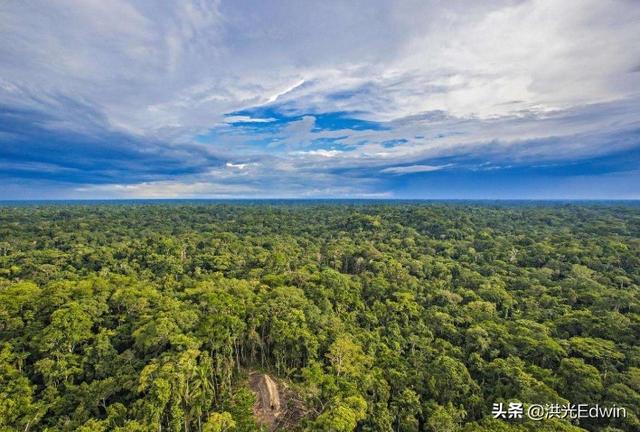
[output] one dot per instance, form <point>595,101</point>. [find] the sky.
<point>433,99</point>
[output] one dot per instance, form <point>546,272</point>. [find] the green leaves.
<point>342,415</point>
<point>347,358</point>
<point>377,317</point>
<point>598,351</point>
<point>219,422</point>
<point>580,381</point>
<point>18,406</point>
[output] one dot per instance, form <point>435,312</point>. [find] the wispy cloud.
<point>247,119</point>
<point>411,169</point>
<point>321,152</point>
<point>166,189</point>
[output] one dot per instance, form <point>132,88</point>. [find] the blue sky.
<point>361,99</point>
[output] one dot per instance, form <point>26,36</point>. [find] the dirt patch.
<point>276,407</point>
<point>267,407</point>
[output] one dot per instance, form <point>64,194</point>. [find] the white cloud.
<point>296,133</point>
<point>180,67</point>
<point>445,78</point>
<point>247,119</point>
<point>412,169</point>
<point>321,152</point>
<point>240,166</point>
<point>166,189</point>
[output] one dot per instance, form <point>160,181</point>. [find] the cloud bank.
<point>416,99</point>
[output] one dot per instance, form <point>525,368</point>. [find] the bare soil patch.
<point>277,406</point>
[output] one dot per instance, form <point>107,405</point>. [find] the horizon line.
<point>62,200</point>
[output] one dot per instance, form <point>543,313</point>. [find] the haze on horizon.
<point>373,99</point>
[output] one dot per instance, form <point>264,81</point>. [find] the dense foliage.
<point>400,317</point>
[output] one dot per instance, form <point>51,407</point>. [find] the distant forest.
<point>373,317</point>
